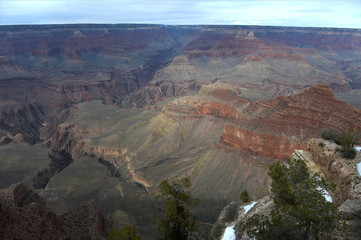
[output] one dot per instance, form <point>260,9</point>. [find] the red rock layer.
<point>268,128</point>
<point>259,144</point>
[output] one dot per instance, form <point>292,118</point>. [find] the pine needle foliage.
<point>244,196</point>
<point>348,140</point>
<point>176,223</point>
<point>127,233</point>
<point>301,211</point>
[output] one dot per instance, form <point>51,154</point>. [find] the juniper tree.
<point>176,223</point>
<point>301,211</point>
<point>348,140</point>
<point>244,196</point>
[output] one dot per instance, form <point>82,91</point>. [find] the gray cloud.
<point>318,13</point>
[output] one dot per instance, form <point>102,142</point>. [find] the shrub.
<point>350,154</point>
<point>231,212</point>
<point>217,231</point>
<point>245,198</point>
<point>331,135</point>
<point>348,141</point>
<point>127,233</point>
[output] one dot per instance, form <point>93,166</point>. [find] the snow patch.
<point>326,195</point>
<point>358,149</point>
<point>359,168</point>
<point>229,234</point>
<point>249,207</point>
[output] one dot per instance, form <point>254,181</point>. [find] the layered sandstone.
<point>270,128</point>
<point>220,140</point>
<point>54,81</point>
<point>140,65</point>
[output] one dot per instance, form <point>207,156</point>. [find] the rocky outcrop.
<point>240,213</point>
<point>159,91</point>
<point>269,128</point>
<point>59,161</point>
<point>9,70</point>
<point>258,144</point>
<point>25,215</point>
<point>23,124</point>
<point>322,157</point>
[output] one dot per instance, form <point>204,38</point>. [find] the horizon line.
<point>162,24</point>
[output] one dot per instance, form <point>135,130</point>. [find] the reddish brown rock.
<point>268,128</point>
<point>258,144</point>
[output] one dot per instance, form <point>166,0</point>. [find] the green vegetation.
<point>127,233</point>
<point>217,231</point>
<point>346,140</point>
<point>244,196</point>
<point>301,211</point>
<point>231,212</point>
<point>176,222</point>
<point>331,135</point>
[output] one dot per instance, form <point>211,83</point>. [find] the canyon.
<point>106,112</point>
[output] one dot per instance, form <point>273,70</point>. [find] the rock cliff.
<point>24,215</point>
<point>270,128</point>
<point>325,160</point>
<point>135,104</point>
<point>221,140</point>
<point>58,66</point>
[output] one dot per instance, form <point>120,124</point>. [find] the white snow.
<point>229,234</point>
<point>249,207</point>
<point>359,168</point>
<point>326,195</point>
<point>358,149</point>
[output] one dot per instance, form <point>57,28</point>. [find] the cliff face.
<point>270,128</point>
<point>146,102</point>
<point>25,215</point>
<point>323,159</point>
<point>222,141</point>
<point>139,65</point>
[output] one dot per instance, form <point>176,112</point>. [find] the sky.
<point>301,13</point>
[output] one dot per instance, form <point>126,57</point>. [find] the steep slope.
<point>24,215</point>
<point>222,141</point>
<point>59,66</point>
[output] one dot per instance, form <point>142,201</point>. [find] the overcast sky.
<point>307,13</point>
